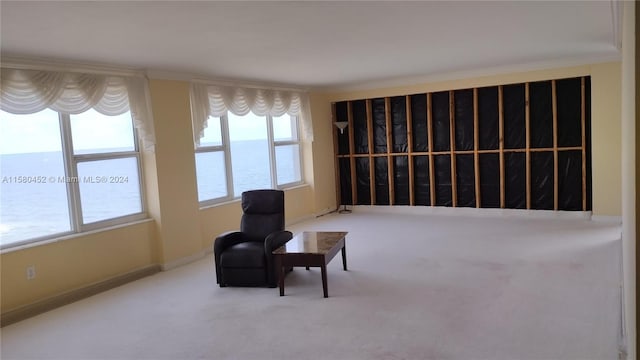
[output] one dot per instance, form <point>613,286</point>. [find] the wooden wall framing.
<point>561,104</point>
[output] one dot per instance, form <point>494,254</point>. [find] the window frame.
<point>294,141</point>
<point>75,159</point>
<point>225,147</point>
<point>74,203</point>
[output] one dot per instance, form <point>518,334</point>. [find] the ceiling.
<point>314,44</point>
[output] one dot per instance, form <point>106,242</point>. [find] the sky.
<point>40,132</point>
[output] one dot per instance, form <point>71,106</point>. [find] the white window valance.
<point>210,100</point>
<point>30,91</point>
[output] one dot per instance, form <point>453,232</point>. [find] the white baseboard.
<point>299,220</point>
<point>441,210</point>
<point>310,217</point>
<point>607,219</point>
<point>326,211</point>
<point>56,301</point>
<point>184,260</point>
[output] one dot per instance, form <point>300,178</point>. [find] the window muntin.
<point>259,152</point>
<point>65,178</point>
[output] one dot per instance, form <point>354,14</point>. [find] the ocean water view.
<point>33,186</point>
<point>33,193</point>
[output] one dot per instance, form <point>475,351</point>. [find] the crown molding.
<point>51,64</point>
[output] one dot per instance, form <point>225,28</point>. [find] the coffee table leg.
<point>344,257</point>
<point>280,274</point>
<point>323,269</point>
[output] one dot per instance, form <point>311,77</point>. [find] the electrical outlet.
<point>31,272</point>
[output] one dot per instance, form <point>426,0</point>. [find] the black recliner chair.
<point>244,258</point>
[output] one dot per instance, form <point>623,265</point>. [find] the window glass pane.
<point>93,133</point>
<point>109,188</point>
<point>249,153</point>
<point>288,164</point>
<point>211,175</point>
<point>212,133</point>
<point>284,128</point>
<point>33,192</point>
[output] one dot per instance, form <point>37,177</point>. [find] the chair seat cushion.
<point>244,255</point>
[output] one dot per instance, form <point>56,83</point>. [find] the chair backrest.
<point>263,213</point>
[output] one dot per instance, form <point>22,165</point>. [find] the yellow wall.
<point>322,155</point>
<point>179,229</point>
<point>605,120</point>
<point>178,223</point>
<point>74,262</point>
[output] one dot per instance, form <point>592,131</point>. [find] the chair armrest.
<point>227,239</point>
<point>222,242</point>
<point>272,242</point>
<point>275,240</point>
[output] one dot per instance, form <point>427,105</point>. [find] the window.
<point>63,174</point>
<point>240,153</point>
<point>211,171</point>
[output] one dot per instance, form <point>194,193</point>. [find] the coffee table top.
<point>312,242</point>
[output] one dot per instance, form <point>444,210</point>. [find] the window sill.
<point>235,200</point>
<point>70,236</point>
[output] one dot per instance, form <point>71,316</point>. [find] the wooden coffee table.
<point>310,248</point>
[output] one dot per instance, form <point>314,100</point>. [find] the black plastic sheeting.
<point>399,124</point>
<point>401,180</point>
<point>419,122</point>
<point>360,132</point>
<point>488,119</point>
<point>421,184</point>
<point>363,185</point>
<point>382,180</point>
<point>440,121</point>
<point>569,117</point>
<point>515,188</point>
<point>541,114</point>
<point>463,105</point>
<point>343,139</point>
<point>587,94</point>
<point>345,182</point>
<point>490,180</point>
<point>542,180</point>
<point>465,181</point>
<point>442,165</point>
<point>379,126</point>
<point>514,116</point>
<point>570,180</point>
<point>569,134</point>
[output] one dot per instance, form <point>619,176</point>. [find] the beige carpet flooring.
<point>419,286</point>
